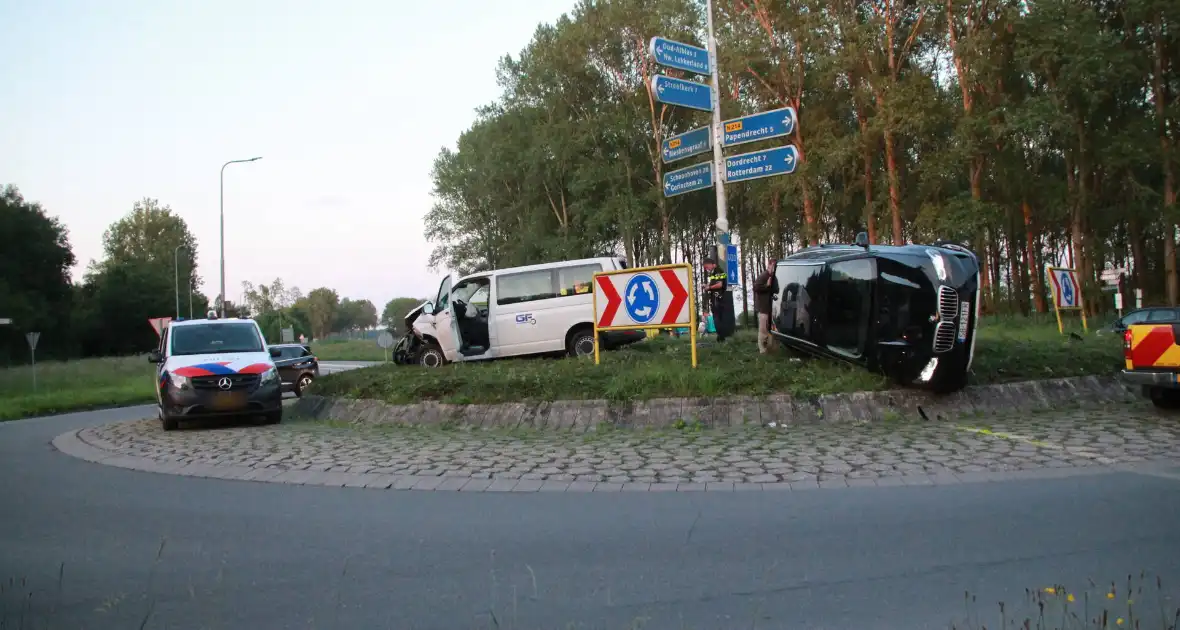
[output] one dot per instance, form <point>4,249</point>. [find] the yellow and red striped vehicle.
<point>1153,361</point>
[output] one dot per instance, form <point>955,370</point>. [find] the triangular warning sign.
<point>159,323</point>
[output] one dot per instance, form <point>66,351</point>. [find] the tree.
<point>321,305</point>
<point>355,315</point>
<point>35,288</point>
<point>395,312</point>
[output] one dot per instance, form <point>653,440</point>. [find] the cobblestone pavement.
<point>889,453</point>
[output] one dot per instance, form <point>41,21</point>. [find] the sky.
<point>348,103</point>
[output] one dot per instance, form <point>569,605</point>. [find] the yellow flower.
<point>1119,621</point>
<point>1110,596</point>
<point>1050,590</point>
<point>1130,602</point>
<point>1069,597</point>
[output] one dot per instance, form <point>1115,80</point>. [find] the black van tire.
<point>580,343</point>
<point>431,356</point>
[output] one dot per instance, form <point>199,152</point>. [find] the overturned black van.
<point>907,311</point>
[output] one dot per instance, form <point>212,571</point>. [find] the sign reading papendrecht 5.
<point>680,56</point>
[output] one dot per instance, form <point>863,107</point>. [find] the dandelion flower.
<point>1119,621</point>
<point>1050,590</point>
<point>1069,597</point>
<point>1110,596</point>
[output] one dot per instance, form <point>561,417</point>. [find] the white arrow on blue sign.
<point>731,265</point>
<point>772,124</point>
<point>688,94</point>
<point>680,56</point>
<point>767,163</point>
<point>686,144</point>
<point>697,177</point>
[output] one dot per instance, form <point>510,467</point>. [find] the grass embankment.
<point>348,350</point>
<point>1007,350</point>
<point>73,385</point>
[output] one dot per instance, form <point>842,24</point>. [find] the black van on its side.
<point>907,311</point>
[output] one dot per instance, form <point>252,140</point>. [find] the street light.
<point>176,275</point>
<point>223,226</point>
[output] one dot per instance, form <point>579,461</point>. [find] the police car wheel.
<point>582,344</point>
<point>170,424</point>
<point>431,357</point>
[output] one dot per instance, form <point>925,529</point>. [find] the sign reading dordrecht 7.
<point>767,163</point>
<point>686,180</point>
<point>686,144</point>
<point>772,124</point>
<point>688,94</point>
<point>680,56</point>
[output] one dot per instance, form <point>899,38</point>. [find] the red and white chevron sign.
<point>643,298</point>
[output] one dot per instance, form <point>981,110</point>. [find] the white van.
<point>538,309</point>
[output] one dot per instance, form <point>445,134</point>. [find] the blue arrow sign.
<point>680,56</point>
<point>688,94</point>
<point>768,163</point>
<point>772,124</point>
<point>731,265</point>
<point>686,144</point>
<point>697,177</point>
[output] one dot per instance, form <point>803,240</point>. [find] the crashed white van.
<point>538,309</point>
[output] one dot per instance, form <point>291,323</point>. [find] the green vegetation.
<point>660,367</point>
<point>74,385</point>
<point>348,350</point>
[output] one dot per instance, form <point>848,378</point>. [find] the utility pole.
<point>222,213</point>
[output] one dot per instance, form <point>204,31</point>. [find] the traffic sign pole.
<point>718,132</point>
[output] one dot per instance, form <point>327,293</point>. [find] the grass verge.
<point>658,368</point>
<point>75,385</point>
<point>348,350</point>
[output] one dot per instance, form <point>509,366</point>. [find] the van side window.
<point>576,280</point>
<point>525,287</point>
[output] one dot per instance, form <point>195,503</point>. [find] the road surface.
<point>98,547</point>
<point>330,367</point>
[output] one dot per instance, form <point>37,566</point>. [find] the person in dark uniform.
<point>715,285</point>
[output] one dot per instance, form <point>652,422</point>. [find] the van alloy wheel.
<point>431,357</point>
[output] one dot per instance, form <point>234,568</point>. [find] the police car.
<point>216,367</point>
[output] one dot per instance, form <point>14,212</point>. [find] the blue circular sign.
<point>642,298</point>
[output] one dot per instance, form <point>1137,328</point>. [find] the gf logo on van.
<point>526,318</point>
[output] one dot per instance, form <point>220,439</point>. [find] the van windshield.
<point>215,338</point>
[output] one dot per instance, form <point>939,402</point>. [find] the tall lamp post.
<point>223,226</point>
<point>176,275</point>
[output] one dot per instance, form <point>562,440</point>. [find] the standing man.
<point>715,282</point>
<point>765,292</point>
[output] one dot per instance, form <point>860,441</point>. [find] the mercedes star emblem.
<point>225,383</point>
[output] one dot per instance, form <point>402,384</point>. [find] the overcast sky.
<point>347,102</point>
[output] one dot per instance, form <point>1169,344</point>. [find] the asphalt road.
<point>329,367</point>
<point>101,547</point>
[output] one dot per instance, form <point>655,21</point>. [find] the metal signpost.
<point>287,335</point>
<point>755,127</point>
<point>697,177</point>
<point>689,143</point>
<point>644,299</point>
<point>759,164</point>
<point>385,340</point>
<point>772,124</point>
<point>33,338</point>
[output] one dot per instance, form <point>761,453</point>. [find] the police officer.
<point>715,285</point>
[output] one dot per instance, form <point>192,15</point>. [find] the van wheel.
<point>581,344</point>
<point>1165,398</point>
<point>431,356</point>
<point>170,424</point>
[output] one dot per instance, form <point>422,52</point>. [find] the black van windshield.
<point>215,338</point>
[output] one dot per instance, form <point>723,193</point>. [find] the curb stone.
<point>856,407</point>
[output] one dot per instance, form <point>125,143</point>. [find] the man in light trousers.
<point>765,292</point>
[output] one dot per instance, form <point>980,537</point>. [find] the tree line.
<point>146,255</point>
<point>1035,131</point>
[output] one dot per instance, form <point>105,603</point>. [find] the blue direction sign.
<point>686,144</point>
<point>768,163</point>
<point>680,56</point>
<point>731,265</point>
<point>688,94</point>
<point>772,124</point>
<point>697,177</point>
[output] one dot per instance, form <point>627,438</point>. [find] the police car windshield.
<point>215,338</point>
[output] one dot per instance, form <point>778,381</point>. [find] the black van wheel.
<point>1165,398</point>
<point>581,344</point>
<point>431,356</point>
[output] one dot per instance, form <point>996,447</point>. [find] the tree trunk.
<point>867,157</point>
<point>776,222</point>
<point>1036,277</point>
<point>894,189</point>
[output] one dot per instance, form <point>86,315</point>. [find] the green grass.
<point>348,350</point>
<point>657,368</point>
<point>74,385</point>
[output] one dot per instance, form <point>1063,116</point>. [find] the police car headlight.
<point>177,381</point>
<point>270,376</point>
